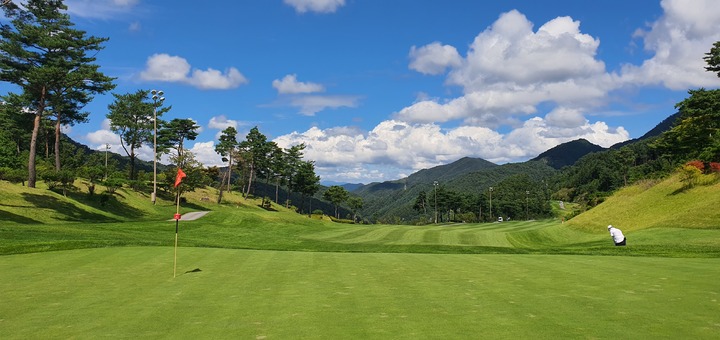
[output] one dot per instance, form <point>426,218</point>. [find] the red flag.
<point>179,177</point>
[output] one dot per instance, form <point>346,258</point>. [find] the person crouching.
<point>617,236</point>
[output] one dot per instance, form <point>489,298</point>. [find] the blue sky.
<point>380,89</point>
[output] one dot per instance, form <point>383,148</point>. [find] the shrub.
<point>697,164</point>
<point>689,175</point>
<point>318,212</point>
<point>714,167</point>
<point>112,184</point>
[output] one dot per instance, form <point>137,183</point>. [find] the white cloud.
<point>310,105</point>
<point>347,154</point>
<point>678,41</point>
<point>319,6</point>
<point>434,58</point>
<point>135,26</point>
<point>103,9</point>
<point>167,68</point>
<point>222,123</point>
<point>290,85</point>
<point>510,69</point>
<point>205,153</point>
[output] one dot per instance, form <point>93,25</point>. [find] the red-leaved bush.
<point>698,164</point>
<point>714,167</point>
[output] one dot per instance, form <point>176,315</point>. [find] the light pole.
<point>491,216</point>
<point>107,148</point>
<point>435,184</point>
<point>157,97</point>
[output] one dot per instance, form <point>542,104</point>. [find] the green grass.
<point>72,268</point>
<point>130,293</point>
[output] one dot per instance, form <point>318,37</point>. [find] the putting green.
<point>222,293</point>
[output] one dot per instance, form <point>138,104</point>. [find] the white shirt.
<point>617,235</point>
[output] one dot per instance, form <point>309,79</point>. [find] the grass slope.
<point>657,204</point>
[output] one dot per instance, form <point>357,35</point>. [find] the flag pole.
<point>178,180</point>
<point>177,221</point>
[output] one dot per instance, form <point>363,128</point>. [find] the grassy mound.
<point>657,204</point>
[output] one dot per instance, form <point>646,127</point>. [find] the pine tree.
<point>53,64</point>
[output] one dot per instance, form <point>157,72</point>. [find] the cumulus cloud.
<point>167,68</point>
<point>509,70</point>
<point>678,41</point>
<point>205,153</point>
<point>290,85</point>
<point>348,154</point>
<point>103,9</point>
<point>222,123</point>
<point>310,105</point>
<point>434,58</point>
<point>319,6</point>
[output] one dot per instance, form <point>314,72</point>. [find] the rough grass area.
<point>657,204</point>
<point>221,293</point>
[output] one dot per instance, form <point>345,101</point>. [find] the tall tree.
<point>355,203</point>
<point>52,63</point>
<point>173,134</point>
<point>255,148</point>
<point>421,202</point>
<point>699,121</point>
<point>306,182</point>
<point>293,160</point>
<point>337,195</point>
<point>227,148</point>
<point>131,116</point>
<point>712,59</point>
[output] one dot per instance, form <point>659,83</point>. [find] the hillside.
<point>653,205</point>
<point>394,199</point>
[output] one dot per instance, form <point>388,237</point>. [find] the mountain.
<point>663,126</point>
<point>394,199</point>
<point>567,153</point>
<point>347,186</point>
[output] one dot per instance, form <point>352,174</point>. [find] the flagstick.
<point>177,221</point>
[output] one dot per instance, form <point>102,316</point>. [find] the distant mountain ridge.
<point>567,153</point>
<point>395,198</point>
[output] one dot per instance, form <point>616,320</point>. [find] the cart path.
<point>191,216</point>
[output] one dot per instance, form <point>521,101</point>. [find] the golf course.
<point>72,268</point>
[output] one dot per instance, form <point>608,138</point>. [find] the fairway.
<point>258,294</point>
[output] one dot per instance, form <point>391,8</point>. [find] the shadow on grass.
<point>8,216</point>
<point>109,203</point>
<point>70,211</point>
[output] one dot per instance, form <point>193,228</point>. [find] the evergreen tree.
<point>52,63</point>
<point>337,195</point>
<point>131,116</point>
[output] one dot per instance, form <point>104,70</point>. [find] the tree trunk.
<point>33,147</point>
<point>252,170</point>
<point>277,190</point>
<point>222,185</point>
<point>57,144</point>
<point>229,172</point>
<point>32,175</point>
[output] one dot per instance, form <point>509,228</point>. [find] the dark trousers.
<point>621,243</point>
